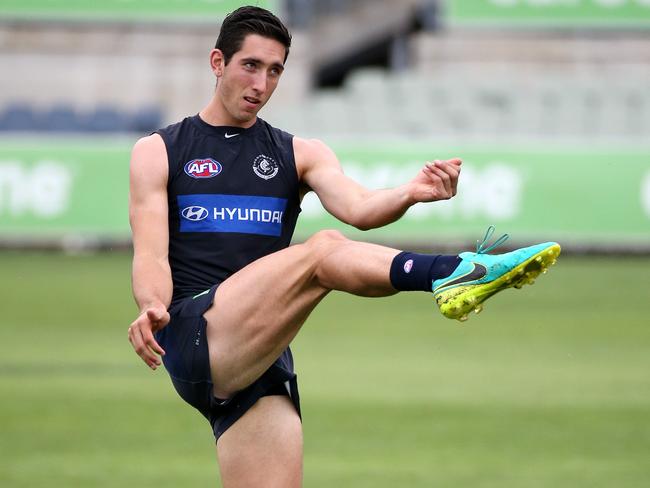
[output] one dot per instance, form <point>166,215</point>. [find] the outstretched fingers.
<point>142,339</point>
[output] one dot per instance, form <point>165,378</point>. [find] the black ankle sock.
<point>415,272</point>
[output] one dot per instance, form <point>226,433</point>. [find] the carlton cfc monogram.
<point>265,167</point>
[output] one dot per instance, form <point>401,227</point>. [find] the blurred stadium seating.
<point>19,117</point>
<point>472,99</point>
<point>62,117</point>
<point>115,76</point>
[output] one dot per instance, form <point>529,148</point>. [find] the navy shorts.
<point>188,364</point>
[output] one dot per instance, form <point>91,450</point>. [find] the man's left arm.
<point>347,200</point>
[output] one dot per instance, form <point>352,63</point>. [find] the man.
<point>213,204</point>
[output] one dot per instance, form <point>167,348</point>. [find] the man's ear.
<point>217,62</point>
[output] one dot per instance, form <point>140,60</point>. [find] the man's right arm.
<point>151,278</point>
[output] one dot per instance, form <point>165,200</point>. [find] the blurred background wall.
<point>547,102</point>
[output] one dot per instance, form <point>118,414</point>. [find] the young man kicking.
<point>214,200</point>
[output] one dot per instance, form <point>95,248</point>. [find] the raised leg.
<point>259,310</point>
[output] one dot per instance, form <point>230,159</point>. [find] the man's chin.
<point>245,117</point>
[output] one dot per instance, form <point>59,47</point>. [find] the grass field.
<point>549,387</point>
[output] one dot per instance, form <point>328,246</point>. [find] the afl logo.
<point>203,168</point>
<point>194,213</point>
<point>265,167</point>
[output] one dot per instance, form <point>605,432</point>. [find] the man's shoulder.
<point>311,149</point>
<point>147,143</point>
<point>149,152</point>
<point>311,154</point>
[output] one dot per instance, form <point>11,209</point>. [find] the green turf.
<point>549,387</point>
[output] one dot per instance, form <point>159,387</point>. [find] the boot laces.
<point>482,247</point>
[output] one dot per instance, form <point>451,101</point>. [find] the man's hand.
<point>438,180</point>
<point>141,334</point>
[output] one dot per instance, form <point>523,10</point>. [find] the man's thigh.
<point>255,315</point>
<point>264,447</point>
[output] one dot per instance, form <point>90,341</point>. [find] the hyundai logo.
<point>194,213</point>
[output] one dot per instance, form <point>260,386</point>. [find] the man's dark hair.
<point>250,20</point>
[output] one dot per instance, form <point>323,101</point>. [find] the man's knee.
<point>326,238</point>
<point>321,246</point>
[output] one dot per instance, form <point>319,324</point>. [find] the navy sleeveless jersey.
<point>233,197</point>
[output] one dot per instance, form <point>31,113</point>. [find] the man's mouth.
<point>253,100</point>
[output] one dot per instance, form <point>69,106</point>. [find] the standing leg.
<point>263,448</point>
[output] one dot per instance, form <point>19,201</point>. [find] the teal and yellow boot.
<point>480,275</point>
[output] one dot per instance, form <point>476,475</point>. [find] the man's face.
<point>250,78</point>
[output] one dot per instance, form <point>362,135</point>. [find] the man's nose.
<point>259,82</point>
